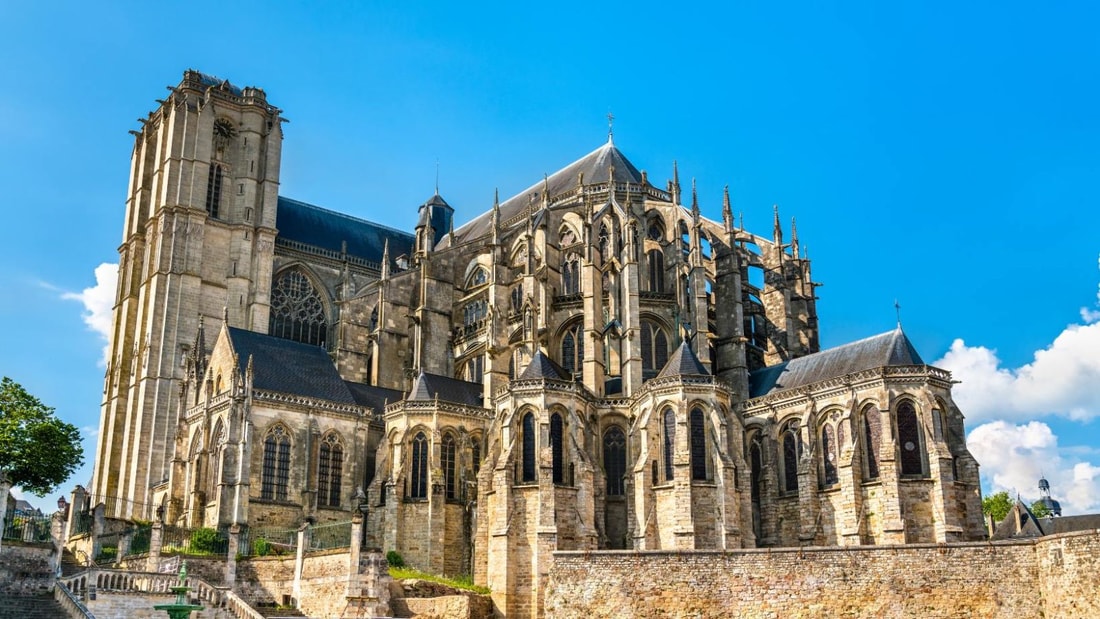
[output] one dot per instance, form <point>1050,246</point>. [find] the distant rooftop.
<point>312,225</point>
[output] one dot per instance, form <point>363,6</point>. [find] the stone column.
<point>369,591</point>
<point>156,541</point>
<point>5,488</point>
<point>299,563</point>
<point>231,554</point>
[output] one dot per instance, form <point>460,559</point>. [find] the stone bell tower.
<point>198,241</point>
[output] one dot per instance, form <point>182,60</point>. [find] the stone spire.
<point>675,183</point>
<point>727,212</point>
<point>794,238</point>
<point>385,260</point>
<point>777,229</point>
<point>694,202</point>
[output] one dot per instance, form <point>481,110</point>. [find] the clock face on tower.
<point>223,128</point>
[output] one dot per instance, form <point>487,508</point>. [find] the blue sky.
<point>944,155</point>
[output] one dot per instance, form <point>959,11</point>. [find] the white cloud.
<point>98,303</point>
<point>1060,380</point>
<point>1013,458</point>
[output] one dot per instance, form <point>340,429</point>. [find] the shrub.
<point>394,559</point>
<point>261,547</point>
<point>204,540</point>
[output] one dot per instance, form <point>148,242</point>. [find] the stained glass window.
<point>276,472</point>
<point>330,471</point>
<point>656,263</point>
<point>447,455</point>
<point>669,442</point>
<point>529,447</point>
<point>556,447</point>
<point>297,312</point>
<point>214,190</point>
<point>614,460</point>
<point>872,434</point>
<point>419,488</point>
<point>828,453</point>
<point>790,461</point>
<point>698,445</point>
<point>909,439</point>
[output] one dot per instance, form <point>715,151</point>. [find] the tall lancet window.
<point>656,262</point>
<point>669,442</point>
<point>297,312</point>
<point>614,460</point>
<point>909,439</point>
<point>214,190</point>
<point>698,445</point>
<point>528,431</point>
<point>276,472</point>
<point>571,275</point>
<point>572,350</point>
<point>872,440</point>
<point>654,349</point>
<point>557,453</point>
<point>419,477</point>
<point>330,464</point>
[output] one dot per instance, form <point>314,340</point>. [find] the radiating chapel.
<point>590,364</point>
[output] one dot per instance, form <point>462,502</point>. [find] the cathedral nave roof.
<point>286,366</point>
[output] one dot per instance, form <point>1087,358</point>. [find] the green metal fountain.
<point>180,609</point>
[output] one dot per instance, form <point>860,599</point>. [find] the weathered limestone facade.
<point>591,364</point>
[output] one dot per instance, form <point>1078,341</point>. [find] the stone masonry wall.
<point>325,583</point>
<point>25,569</point>
<point>975,579</point>
<point>1069,574</point>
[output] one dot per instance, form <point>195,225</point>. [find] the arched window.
<point>756,464</point>
<point>214,190</point>
<point>473,370</point>
<point>447,457</point>
<point>477,278</point>
<point>669,442</point>
<point>655,260</point>
<point>517,298</point>
<point>614,460</point>
<point>572,350</point>
<point>297,312</point>
<point>571,275</point>
<point>474,311</point>
<point>789,445</point>
<point>872,435</point>
<point>698,445</point>
<point>276,473</point>
<point>909,439</point>
<point>330,464</point>
<point>828,455</point>
<point>556,451</point>
<point>654,349</point>
<point>475,453</point>
<point>529,447</point>
<point>214,469</point>
<point>419,477</point>
<point>655,231</point>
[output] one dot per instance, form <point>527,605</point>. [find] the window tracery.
<point>419,479</point>
<point>698,437</point>
<point>872,435</point>
<point>276,469</point>
<point>669,442</point>
<point>450,473</point>
<point>297,311</point>
<point>909,439</point>
<point>529,447</point>
<point>330,464</point>
<point>614,460</point>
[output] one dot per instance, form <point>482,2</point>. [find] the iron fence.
<point>268,542</point>
<point>327,536</point>
<point>202,542</point>
<point>27,528</point>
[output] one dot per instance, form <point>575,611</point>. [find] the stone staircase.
<point>30,607</point>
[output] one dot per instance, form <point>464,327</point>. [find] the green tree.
<point>37,450</point>
<point>1040,509</point>
<point>997,505</point>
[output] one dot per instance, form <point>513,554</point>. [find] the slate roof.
<point>683,362</point>
<point>594,165</point>
<point>886,349</point>
<point>542,366</point>
<point>370,396</point>
<point>289,367</point>
<point>429,386</point>
<point>319,227</point>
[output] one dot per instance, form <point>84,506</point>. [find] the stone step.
<point>30,607</point>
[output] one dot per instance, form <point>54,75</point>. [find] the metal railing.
<point>329,536</point>
<point>27,528</point>
<point>201,542</point>
<point>268,542</point>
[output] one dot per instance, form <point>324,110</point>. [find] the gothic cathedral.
<point>589,364</point>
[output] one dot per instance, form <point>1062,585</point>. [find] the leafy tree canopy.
<point>1040,509</point>
<point>997,505</point>
<point>37,450</point>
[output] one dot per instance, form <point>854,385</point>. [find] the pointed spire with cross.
<point>610,127</point>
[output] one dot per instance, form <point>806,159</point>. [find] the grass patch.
<point>461,582</point>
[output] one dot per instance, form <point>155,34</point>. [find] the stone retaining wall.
<point>25,569</point>
<point>1053,577</point>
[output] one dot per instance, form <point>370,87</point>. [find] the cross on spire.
<point>897,308</point>
<point>610,127</point>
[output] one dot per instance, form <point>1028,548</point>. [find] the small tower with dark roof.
<point>435,219</point>
<point>1054,507</point>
